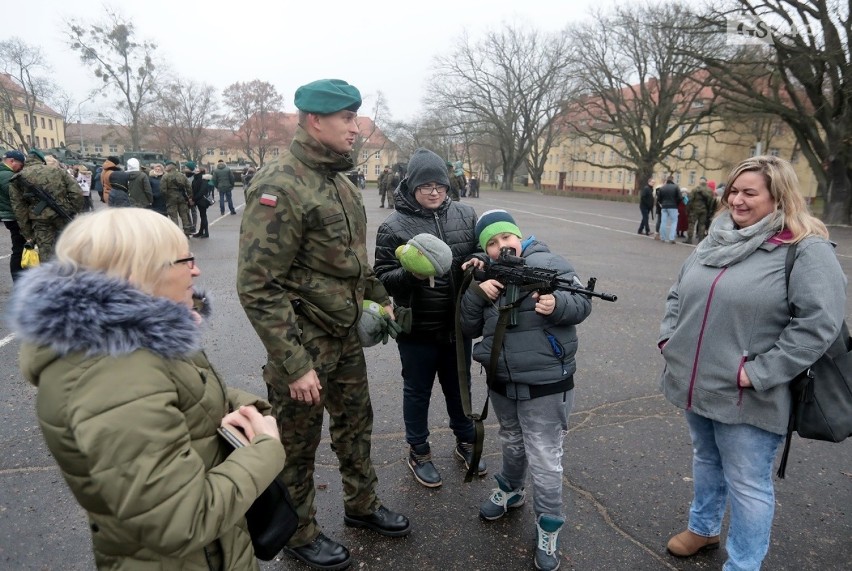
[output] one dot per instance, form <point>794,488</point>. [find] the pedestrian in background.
<point>646,206</point>
<point>668,198</point>
<point>731,348</point>
<point>13,162</point>
<point>223,180</point>
<point>302,276</point>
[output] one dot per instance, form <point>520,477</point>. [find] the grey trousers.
<point>531,435</point>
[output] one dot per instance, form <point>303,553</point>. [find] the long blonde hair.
<point>783,185</point>
<point>133,244</point>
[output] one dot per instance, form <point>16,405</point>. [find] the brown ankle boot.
<point>687,544</point>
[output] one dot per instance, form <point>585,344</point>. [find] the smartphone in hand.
<point>234,436</point>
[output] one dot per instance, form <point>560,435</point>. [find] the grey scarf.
<point>726,245</point>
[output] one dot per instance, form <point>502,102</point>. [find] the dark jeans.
<point>222,197</point>
<point>644,224</point>
<point>18,242</point>
<point>421,361</point>
<point>202,220</point>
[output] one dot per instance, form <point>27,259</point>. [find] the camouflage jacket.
<point>174,186</point>
<point>386,181</point>
<point>701,200</point>
<point>5,202</point>
<point>302,265</point>
<point>61,186</point>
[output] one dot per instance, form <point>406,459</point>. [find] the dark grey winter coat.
<point>541,348</point>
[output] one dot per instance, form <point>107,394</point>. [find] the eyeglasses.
<point>190,261</point>
<point>429,189</point>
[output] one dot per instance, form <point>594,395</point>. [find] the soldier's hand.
<point>306,389</point>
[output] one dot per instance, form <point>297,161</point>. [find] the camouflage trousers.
<point>342,371</point>
<point>45,233</point>
<point>179,213</point>
<point>697,225</point>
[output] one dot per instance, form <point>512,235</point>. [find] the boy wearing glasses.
<point>422,206</point>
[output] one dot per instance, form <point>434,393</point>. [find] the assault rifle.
<point>44,197</point>
<point>511,270</point>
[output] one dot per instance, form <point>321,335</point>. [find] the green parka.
<point>129,407</point>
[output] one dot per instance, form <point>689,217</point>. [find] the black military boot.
<point>420,462</point>
<point>464,452</point>
<point>321,553</point>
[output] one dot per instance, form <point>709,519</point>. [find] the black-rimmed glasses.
<point>428,189</point>
<point>189,261</point>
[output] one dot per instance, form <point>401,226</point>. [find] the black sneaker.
<point>420,463</point>
<point>464,451</point>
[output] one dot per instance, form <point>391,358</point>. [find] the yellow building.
<point>44,128</point>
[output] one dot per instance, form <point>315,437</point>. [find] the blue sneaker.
<point>502,499</point>
<point>547,542</point>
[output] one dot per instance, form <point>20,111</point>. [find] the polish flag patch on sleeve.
<point>268,199</point>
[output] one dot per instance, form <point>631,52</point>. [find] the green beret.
<point>38,154</point>
<point>170,163</point>
<point>327,96</point>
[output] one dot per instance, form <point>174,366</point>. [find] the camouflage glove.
<point>374,325</point>
<point>403,320</point>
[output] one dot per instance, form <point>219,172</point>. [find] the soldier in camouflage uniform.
<point>174,186</point>
<point>385,183</point>
<point>701,201</point>
<point>40,224</point>
<point>302,275</point>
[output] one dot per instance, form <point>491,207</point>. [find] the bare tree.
<point>124,64</point>
<point>802,74</point>
<point>252,114</point>
<point>182,118</point>
<point>645,95</point>
<point>510,85</point>
<point>373,132</point>
<point>27,87</point>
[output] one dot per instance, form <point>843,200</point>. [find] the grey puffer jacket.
<point>719,320</point>
<point>129,406</point>
<point>433,308</point>
<point>540,349</point>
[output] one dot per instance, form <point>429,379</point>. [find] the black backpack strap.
<point>464,384</point>
<point>791,423</point>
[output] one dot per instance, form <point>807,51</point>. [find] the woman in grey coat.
<point>731,349</point>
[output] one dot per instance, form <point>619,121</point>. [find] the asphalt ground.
<point>627,462</point>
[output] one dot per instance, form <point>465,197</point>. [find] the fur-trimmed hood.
<point>69,311</point>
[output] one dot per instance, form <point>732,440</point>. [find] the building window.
<point>44,142</point>
<point>113,148</point>
<point>600,176</point>
<point>211,151</point>
<point>51,142</point>
<point>691,178</point>
<point>26,121</point>
<point>695,153</point>
<point>50,124</point>
<point>677,178</point>
<point>775,152</point>
<point>99,149</point>
<point>85,148</point>
<point>29,141</point>
<point>42,122</point>
<point>609,176</point>
<point>620,176</point>
<point>612,156</point>
<point>364,155</point>
<point>377,170</point>
<point>378,155</point>
<point>698,103</point>
<point>680,152</point>
<point>584,176</point>
<point>221,152</point>
<point>275,152</point>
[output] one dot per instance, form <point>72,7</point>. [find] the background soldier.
<point>13,161</point>
<point>40,223</point>
<point>174,186</point>
<point>701,201</point>
<point>302,276</point>
<point>385,182</point>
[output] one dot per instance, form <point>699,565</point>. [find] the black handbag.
<point>822,394</point>
<point>272,520</point>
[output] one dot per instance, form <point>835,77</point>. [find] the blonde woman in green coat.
<point>128,402</point>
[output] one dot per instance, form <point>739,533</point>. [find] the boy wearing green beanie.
<point>533,389</point>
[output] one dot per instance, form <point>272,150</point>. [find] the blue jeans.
<point>668,215</point>
<point>733,462</point>
<point>222,197</point>
<point>421,361</point>
<point>531,435</point>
